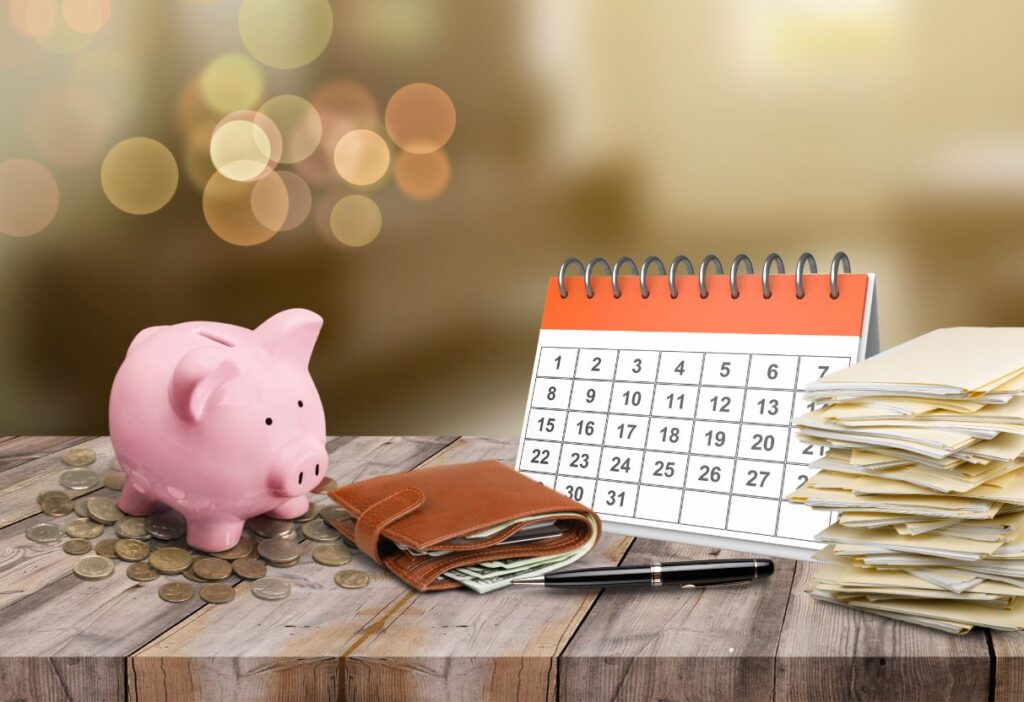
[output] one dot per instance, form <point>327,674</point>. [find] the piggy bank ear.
<point>198,374</point>
<point>291,335</point>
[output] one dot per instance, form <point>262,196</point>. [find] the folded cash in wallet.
<point>475,525</point>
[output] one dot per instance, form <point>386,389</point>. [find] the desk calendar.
<point>665,402</point>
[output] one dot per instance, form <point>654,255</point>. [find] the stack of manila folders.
<point>925,444</point>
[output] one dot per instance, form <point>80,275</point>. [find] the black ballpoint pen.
<point>684,574</point>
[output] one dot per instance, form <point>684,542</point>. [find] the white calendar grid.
<point>690,440</point>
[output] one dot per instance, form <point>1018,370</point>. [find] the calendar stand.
<point>673,431</point>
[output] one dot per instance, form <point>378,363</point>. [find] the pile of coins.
<point>154,547</point>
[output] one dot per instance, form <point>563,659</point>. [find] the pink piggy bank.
<point>220,423</point>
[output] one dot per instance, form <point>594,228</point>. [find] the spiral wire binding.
<point>805,260</point>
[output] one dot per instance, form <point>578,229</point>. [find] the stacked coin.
<point>280,552</point>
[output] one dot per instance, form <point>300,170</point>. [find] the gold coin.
<point>113,480</point>
<point>334,513</point>
<point>310,513</point>
<point>243,548</point>
<point>131,550</point>
<point>270,528</point>
<point>78,456</point>
<point>132,528</point>
<point>166,526</point>
<point>317,530</point>
<point>212,568</point>
<point>45,532</point>
<point>326,485</point>
<point>50,494</point>
<point>286,564</point>
<point>77,547</point>
<point>176,592</point>
<point>142,572</point>
<point>94,568</point>
<point>271,588</point>
<point>351,579</point>
<point>106,548</point>
<point>170,559</point>
<point>249,568</point>
<point>79,479</point>
<point>191,575</point>
<point>56,506</point>
<point>276,551</point>
<point>82,507</point>
<point>217,593</point>
<point>332,554</point>
<point>83,529</point>
<point>104,510</point>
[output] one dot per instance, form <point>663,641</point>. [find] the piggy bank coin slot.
<point>215,337</point>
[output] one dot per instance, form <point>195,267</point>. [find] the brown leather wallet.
<point>435,509</point>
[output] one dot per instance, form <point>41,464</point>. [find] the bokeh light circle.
<point>299,124</point>
<point>300,201</point>
<point>139,175</point>
<point>228,208</point>
<point>362,157</point>
<point>231,82</point>
<point>245,145</point>
<point>344,105</point>
<point>29,197</point>
<point>420,118</point>
<point>36,19</point>
<point>285,34</point>
<point>355,220</point>
<point>86,16</point>
<point>422,176</point>
<point>69,126</point>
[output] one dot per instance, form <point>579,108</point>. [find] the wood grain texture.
<point>829,652</point>
<point>671,644</point>
<point>105,620</point>
<point>462,645</point>
<point>1008,648</point>
<point>239,650</point>
<point>15,450</point>
<point>20,484</point>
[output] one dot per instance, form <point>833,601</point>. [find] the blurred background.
<point>415,170</point>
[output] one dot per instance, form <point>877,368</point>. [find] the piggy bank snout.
<point>299,468</point>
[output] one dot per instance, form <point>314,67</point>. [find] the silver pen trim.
<point>656,574</point>
<point>531,580</point>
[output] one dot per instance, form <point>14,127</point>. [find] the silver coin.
<point>271,588</point>
<point>310,513</point>
<point>317,530</point>
<point>79,479</point>
<point>104,510</point>
<point>270,528</point>
<point>279,551</point>
<point>335,513</point>
<point>82,507</point>
<point>132,528</point>
<point>44,533</point>
<point>94,568</point>
<point>166,526</point>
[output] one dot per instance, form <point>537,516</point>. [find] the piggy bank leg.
<point>136,504</point>
<point>290,509</point>
<point>211,536</point>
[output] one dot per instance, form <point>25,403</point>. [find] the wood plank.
<point>21,484</point>
<point>252,649</point>
<point>20,449</point>
<point>104,621</point>
<point>1008,648</point>
<point>715,643</point>
<point>829,652</point>
<point>459,644</point>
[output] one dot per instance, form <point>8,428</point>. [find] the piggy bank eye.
<point>300,403</point>
<point>269,421</point>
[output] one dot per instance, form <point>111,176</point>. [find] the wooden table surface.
<point>62,638</point>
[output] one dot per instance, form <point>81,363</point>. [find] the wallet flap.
<point>376,518</point>
<point>458,500</point>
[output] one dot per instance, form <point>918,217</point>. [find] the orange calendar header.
<point>750,313</point>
